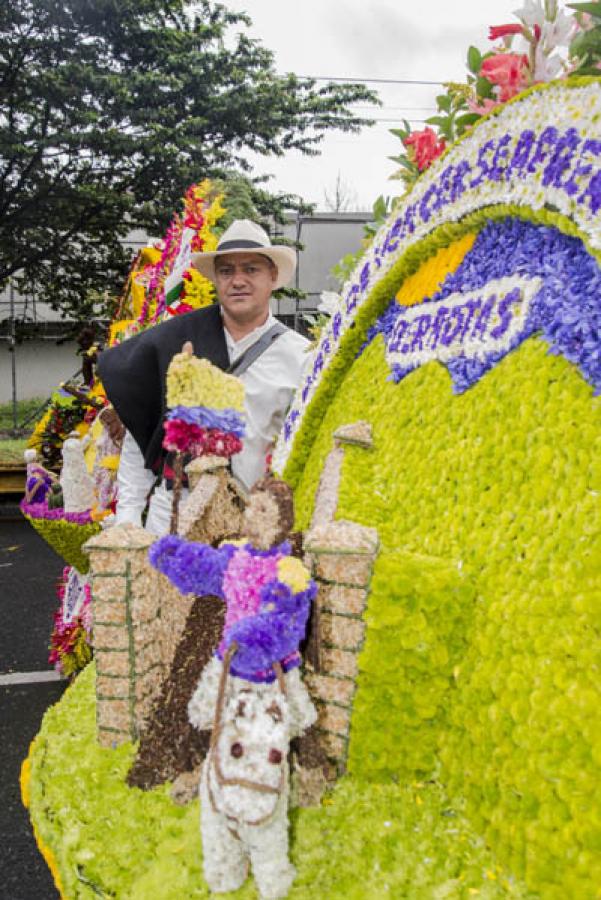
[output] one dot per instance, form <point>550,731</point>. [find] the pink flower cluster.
<point>425,146</point>
<point>245,576</point>
<point>509,72</point>
<point>189,438</point>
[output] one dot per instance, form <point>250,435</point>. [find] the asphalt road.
<point>28,573</point>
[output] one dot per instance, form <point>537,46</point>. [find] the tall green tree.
<point>109,109</point>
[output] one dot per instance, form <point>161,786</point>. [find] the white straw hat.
<point>244,236</point>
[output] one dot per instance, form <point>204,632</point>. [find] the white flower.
<point>329,303</point>
<point>557,33</point>
<point>531,13</point>
<point>546,67</point>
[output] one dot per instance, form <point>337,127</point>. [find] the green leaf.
<point>444,102</point>
<point>593,9</point>
<point>474,60</point>
<point>440,121</point>
<point>462,122</point>
<point>484,89</point>
<point>587,42</point>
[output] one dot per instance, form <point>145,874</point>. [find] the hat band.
<point>241,245</point>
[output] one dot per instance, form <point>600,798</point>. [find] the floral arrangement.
<point>366,840</point>
<point>205,417</point>
<point>192,231</point>
<point>535,158</point>
<point>66,533</point>
<point>205,408</point>
<point>70,642</point>
<point>543,45</point>
<point>509,286</point>
<point>65,413</point>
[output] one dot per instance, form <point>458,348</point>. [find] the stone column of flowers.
<point>342,555</point>
<point>126,594</point>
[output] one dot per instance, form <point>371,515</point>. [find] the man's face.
<point>244,284</point>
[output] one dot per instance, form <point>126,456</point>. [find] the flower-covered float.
<point>161,284</point>
<point>449,434</point>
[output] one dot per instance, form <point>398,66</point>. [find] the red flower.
<point>180,309</point>
<point>181,435</point>
<point>425,147</point>
<point>508,71</point>
<point>500,31</point>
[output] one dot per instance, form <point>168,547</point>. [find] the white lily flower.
<point>546,68</point>
<point>531,13</point>
<point>557,33</point>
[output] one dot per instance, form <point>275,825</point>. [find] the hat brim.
<point>284,259</point>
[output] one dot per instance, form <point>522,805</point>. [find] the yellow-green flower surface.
<point>496,492</point>
<point>366,841</point>
<point>67,539</point>
<point>196,382</point>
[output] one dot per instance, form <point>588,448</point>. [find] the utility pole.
<point>13,351</point>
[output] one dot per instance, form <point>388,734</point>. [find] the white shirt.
<point>269,383</point>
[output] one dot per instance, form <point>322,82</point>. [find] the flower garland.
<point>539,149</point>
<point>192,231</point>
<point>518,279</point>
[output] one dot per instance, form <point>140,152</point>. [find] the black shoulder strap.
<point>245,361</point>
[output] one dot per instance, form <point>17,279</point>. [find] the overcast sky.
<point>421,41</point>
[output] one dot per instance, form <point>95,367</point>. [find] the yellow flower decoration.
<point>198,290</point>
<point>429,277</point>
<point>110,462</point>
<point>196,382</point>
<point>293,573</point>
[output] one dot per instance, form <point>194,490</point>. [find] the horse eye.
<point>241,711</point>
<point>237,750</point>
<point>275,712</point>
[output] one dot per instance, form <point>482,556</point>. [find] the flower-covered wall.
<point>470,338</point>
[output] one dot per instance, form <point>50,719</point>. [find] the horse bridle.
<point>214,755</point>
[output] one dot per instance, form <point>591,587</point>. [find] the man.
<point>240,335</point>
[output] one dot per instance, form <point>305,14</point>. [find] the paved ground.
<point>28,572</point>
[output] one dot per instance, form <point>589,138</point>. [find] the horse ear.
<point>201,708</point>
<point>302,712</point>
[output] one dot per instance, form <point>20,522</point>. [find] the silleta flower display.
<point>537,153</point>
<point>206,408</point>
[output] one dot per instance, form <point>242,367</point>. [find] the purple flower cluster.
<point>193,568</point>
<point>228,420</point>
<point>41,511</point>
<point>266,619</point>
<point>271,635</point>
<point>566,310</point>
